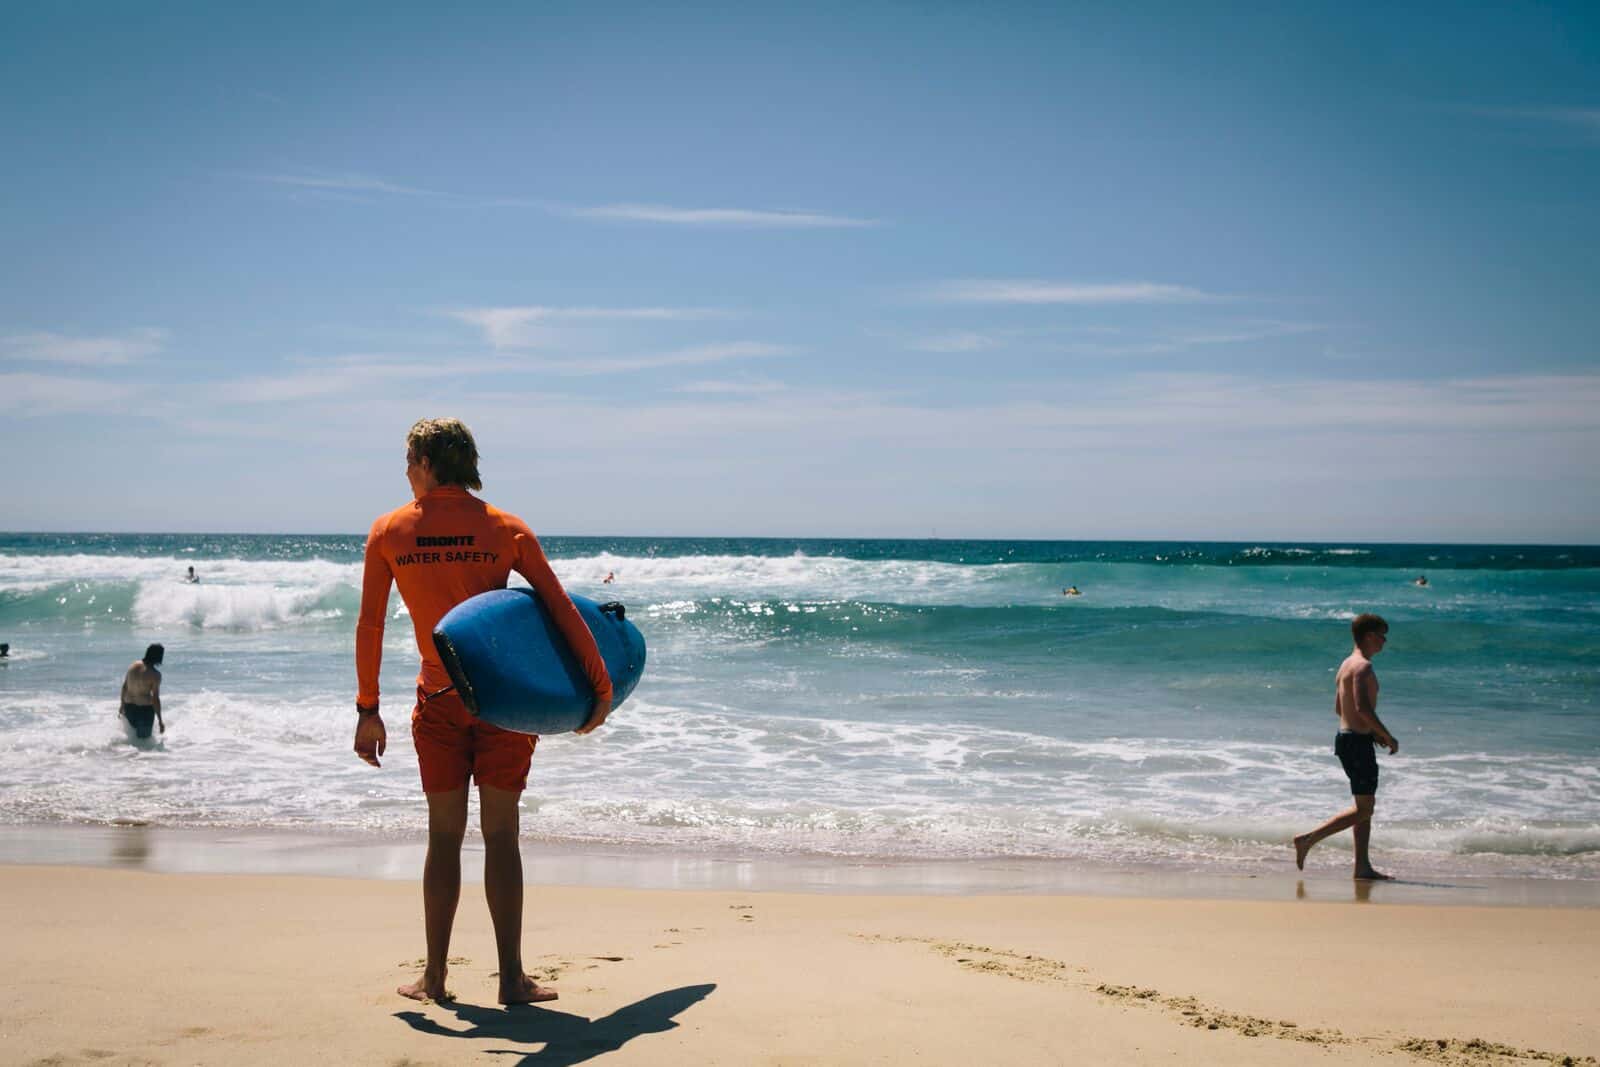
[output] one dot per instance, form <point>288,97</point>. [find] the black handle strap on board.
<point>616,608</point>
<point>458,677</point>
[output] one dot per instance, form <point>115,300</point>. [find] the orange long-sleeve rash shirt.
<point>440,550</point>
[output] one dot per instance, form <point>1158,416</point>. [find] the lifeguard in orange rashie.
<point>444,546</point>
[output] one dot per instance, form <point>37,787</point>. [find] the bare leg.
<point>1363,836</point>
<point>441,889</point>
<point>1359,820</point>
<point>1302,844</point>
<point>502,887</point>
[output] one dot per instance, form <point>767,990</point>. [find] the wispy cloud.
<point>26,394</point>
<point>341,375</point>
<point>730,388</point>
<point>717,216</point>
<point>1242,332</point>
<point>956,341</point>
<point>696,354</point>
<point>511,327</point>
<point>347,184</point>
<point>1124,342</point>
<point>1110,341</point>
<point>322,181</point>
<point>1033,291</point>
<point>1581,119</point>
<point>104,350</point>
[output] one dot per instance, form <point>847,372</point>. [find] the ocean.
<point>931,699</point>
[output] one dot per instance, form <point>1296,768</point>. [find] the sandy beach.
<point>113,966</point>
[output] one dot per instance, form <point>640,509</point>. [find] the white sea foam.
<point>33,572</point>
<point>768,577</point>
<point>247,594</point>
<point>721,779</point>
<point>230,607</point>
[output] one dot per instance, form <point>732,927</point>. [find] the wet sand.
<point>170,850</point>
<point>127,966</point>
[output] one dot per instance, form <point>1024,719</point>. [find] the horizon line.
<point>834,537</point>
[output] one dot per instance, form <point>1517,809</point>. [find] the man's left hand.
<point>602,708</point>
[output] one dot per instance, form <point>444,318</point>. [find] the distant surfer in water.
<point>5,650</point>
<point>141,692</point>
<point>193,577</point>
<point>1422,581</point>
<point>1071,590</point>
<point>610,577</point>
<point>443,547</point>
<point>1360,732</point>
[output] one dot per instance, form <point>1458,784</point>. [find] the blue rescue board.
<point>512,667</point>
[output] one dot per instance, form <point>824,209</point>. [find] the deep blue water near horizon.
<point>859,697</point>
<point>349,546</point>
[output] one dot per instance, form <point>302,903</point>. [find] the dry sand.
<point>112,967</point>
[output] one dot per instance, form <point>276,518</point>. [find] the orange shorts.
<point>454,746</point>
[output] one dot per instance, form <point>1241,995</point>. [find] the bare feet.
<point>1302,845</point>
<point>425,989</point>
<point>526,991</point>
<point>1370,875</point>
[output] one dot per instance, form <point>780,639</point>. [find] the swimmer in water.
<point>141,692</point>
<point>1071,590</point>
<point>610,577</point>
<point>5,650</point>
<point>193,577</point>
<point>1422,581</point>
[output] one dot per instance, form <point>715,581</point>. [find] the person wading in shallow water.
<point>443,547</point>
<point>141,692</point>
<point>1360,732</point>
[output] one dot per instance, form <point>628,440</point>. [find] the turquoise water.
<point>867,698</point>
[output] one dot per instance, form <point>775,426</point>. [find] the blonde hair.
<point>448,447</point>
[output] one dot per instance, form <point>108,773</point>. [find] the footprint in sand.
<point>674,930</point>
<point>1474,1052</point>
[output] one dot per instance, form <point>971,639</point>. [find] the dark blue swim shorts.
<point>1358,753</point>
<point>142,717</point>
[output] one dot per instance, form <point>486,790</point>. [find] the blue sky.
<point>1315,271</point>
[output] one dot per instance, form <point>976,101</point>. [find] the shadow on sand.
<point>566,1038</point>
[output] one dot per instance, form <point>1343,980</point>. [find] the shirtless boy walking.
<point>1360,732</point>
